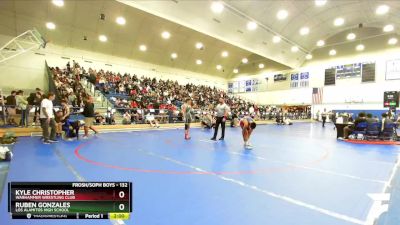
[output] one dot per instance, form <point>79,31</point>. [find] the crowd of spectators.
<point>133,92</point>
<point>138,98</point>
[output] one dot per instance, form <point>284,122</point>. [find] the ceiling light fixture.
<point>103,38</point>
<point>165,35</point>
<point>174,55</point>
<point>217,6</point>
<point>143,48</point>
<point>392,41</point>
<point>245,60</point>
<point>120,20</point>
<point>388,28</point>
<point>351,36</point>
<point>260,65</point>
<point>282,14</point>
<point>50,26</point>
<point>308,56</point>
<point>251,25</point>
<point>199,45</point>
<point>224,54</point>
<point>338,21</point>
<point>58,3</point>
<point>332,52</point>
<point>294,49</point>
<point>382,9</point>
<point>235,70</point>
<point>320,43</point>
<point>320,3</point>
<point>276,39</point>
<point>360,47</point>
<point>199,62</point>
<point>304,31</point>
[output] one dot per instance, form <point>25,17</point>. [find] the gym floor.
<point>297,174</point>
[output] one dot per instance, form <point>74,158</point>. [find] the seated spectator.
<point>279,119</point>
<point>385,121</point>
<point>99,119</point>
<point>234,119</point>
<point>152,120</point>
<point>126,118</point>
<point>135,116</point>
<point>206,120</point>
<point>110,118</point>
<point>370,120</point>
<point>348,129</point>
<point>287,121</point>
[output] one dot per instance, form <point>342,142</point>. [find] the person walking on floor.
<point>47,119</point>
<point>222,110</point>
<point>88,112</point>
<point>323,116</point>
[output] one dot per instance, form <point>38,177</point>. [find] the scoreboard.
<point>391,99</point>
<point>70,200</point>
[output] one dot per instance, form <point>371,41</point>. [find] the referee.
<point>222,110</point>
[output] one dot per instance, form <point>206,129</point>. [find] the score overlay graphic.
<point>70,200</point>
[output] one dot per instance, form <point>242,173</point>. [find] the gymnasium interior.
<point>200,112</point>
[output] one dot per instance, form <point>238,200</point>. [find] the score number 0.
<point>121,206</point>
<point>121,195</point>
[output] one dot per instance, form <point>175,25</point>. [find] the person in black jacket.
<point>88,112</point>
<point>348,129</point>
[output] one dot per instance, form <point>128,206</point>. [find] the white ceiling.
<point>191,21</point>
<point>236,14</point>
<point>82,18</point>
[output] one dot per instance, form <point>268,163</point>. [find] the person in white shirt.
<point>222,110</point>
<point>47,119</point>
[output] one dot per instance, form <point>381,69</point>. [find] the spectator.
<point>206,120</point>
<point>47,119</point>
<point>152,120</point>
<point>11,104</point>
<point>323,116</point>
<point>370,120</point>
<point>126,118</point>
<point>385,121</point>
<point>22,105</point>
<point>88,112</point>
<point>37,102</point>
<point>348,129</point>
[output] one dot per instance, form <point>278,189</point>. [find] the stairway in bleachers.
<point>101,102</point>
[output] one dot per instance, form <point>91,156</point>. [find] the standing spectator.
<point>11,104</point>
<point>22,105</point>
<point>323,116</point>
<point>88,112</point>
<point>2,109</point>
<point>38,101</point>
<point>222,113</point>
<point>47,119</point>
<point>187,109</point>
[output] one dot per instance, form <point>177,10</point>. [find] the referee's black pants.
<point>217,123</point>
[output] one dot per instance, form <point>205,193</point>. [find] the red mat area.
<point>373,142</point>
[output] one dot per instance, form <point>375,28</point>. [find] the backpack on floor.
<point>5,153</point>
